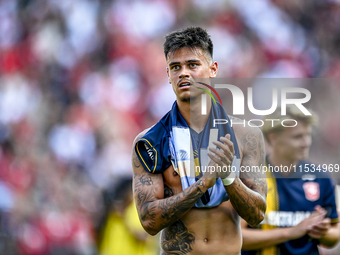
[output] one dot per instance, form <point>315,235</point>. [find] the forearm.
<point>254,239</point>
<point>250,205</point>
<point>159,214</point>
<point>331,238</point>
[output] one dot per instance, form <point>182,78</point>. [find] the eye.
<point>192,65</point>
<point>298,136</point>
<point>175,67</point>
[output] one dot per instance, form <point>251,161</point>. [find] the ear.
<point>213,70</point>
<point>167,72</point>
<point>272,138</point>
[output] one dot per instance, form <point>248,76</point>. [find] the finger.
<point>320,229</point>
<point>319,218</point>
<point>227,136</point>
<point>314,219</point>
<point>215,158</point>
<point>315,235</point>
<point>317,232</point>
<point>314,231</point>
<point>221,154</point>
<point>326,221</point>
<point>225,149</point>
<point>317,208</point>
<point>322,226</point>
<point>319,225</point>
<point>319,213</point>
<point>228,142</point>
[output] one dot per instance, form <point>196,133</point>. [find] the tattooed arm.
<point>156,212</point>
<point>248,193</point>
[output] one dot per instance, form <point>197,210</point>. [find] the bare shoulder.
<point>140,135</point>
<point>251,143</point>
<point>248,138</point>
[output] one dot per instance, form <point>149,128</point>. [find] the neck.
<point>197,121</point>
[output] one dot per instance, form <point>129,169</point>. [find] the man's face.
<point>293,143</point>
<point>184,66</point>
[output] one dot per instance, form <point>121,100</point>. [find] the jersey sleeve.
<point>153,150</point>
<point>329,199</point>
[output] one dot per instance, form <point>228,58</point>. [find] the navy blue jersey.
<point>172,142</point>
<point>154,148</point>
<point>290,200</point>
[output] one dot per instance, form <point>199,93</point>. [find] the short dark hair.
<point>191,37</point>
<point>292,112</point>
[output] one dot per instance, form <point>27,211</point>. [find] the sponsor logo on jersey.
<point>149,151</point>
<point>285,219</point>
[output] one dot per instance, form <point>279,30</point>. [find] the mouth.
<point>184,84</point>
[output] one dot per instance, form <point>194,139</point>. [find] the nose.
<point>307,141</point>
<point>184,73</point>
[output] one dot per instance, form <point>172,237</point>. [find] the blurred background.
<point>80,79</point>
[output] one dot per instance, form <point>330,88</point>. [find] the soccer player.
<point>198,213</point>
<point>301,211</point>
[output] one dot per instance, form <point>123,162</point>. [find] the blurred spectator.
<point>122,232</point>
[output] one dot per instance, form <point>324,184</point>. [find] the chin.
<point>303,156</point>
<point>189,97</point>
<point>185,99</point>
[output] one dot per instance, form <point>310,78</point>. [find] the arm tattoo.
<point>177,205</point>
<point>176,239</point>
<point>146,180</point>
<point>250,203</point>
<point>136,162</point>
<point>154,213</point>
<point>168,192</point>
<point>253,144</point>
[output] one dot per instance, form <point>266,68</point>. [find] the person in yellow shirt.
<point>122,233</point>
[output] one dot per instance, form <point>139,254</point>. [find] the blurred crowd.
<point>80,79</point>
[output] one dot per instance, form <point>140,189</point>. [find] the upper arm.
<point>253,160</point>
<point>244,224</point>
<point>147,187</point>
